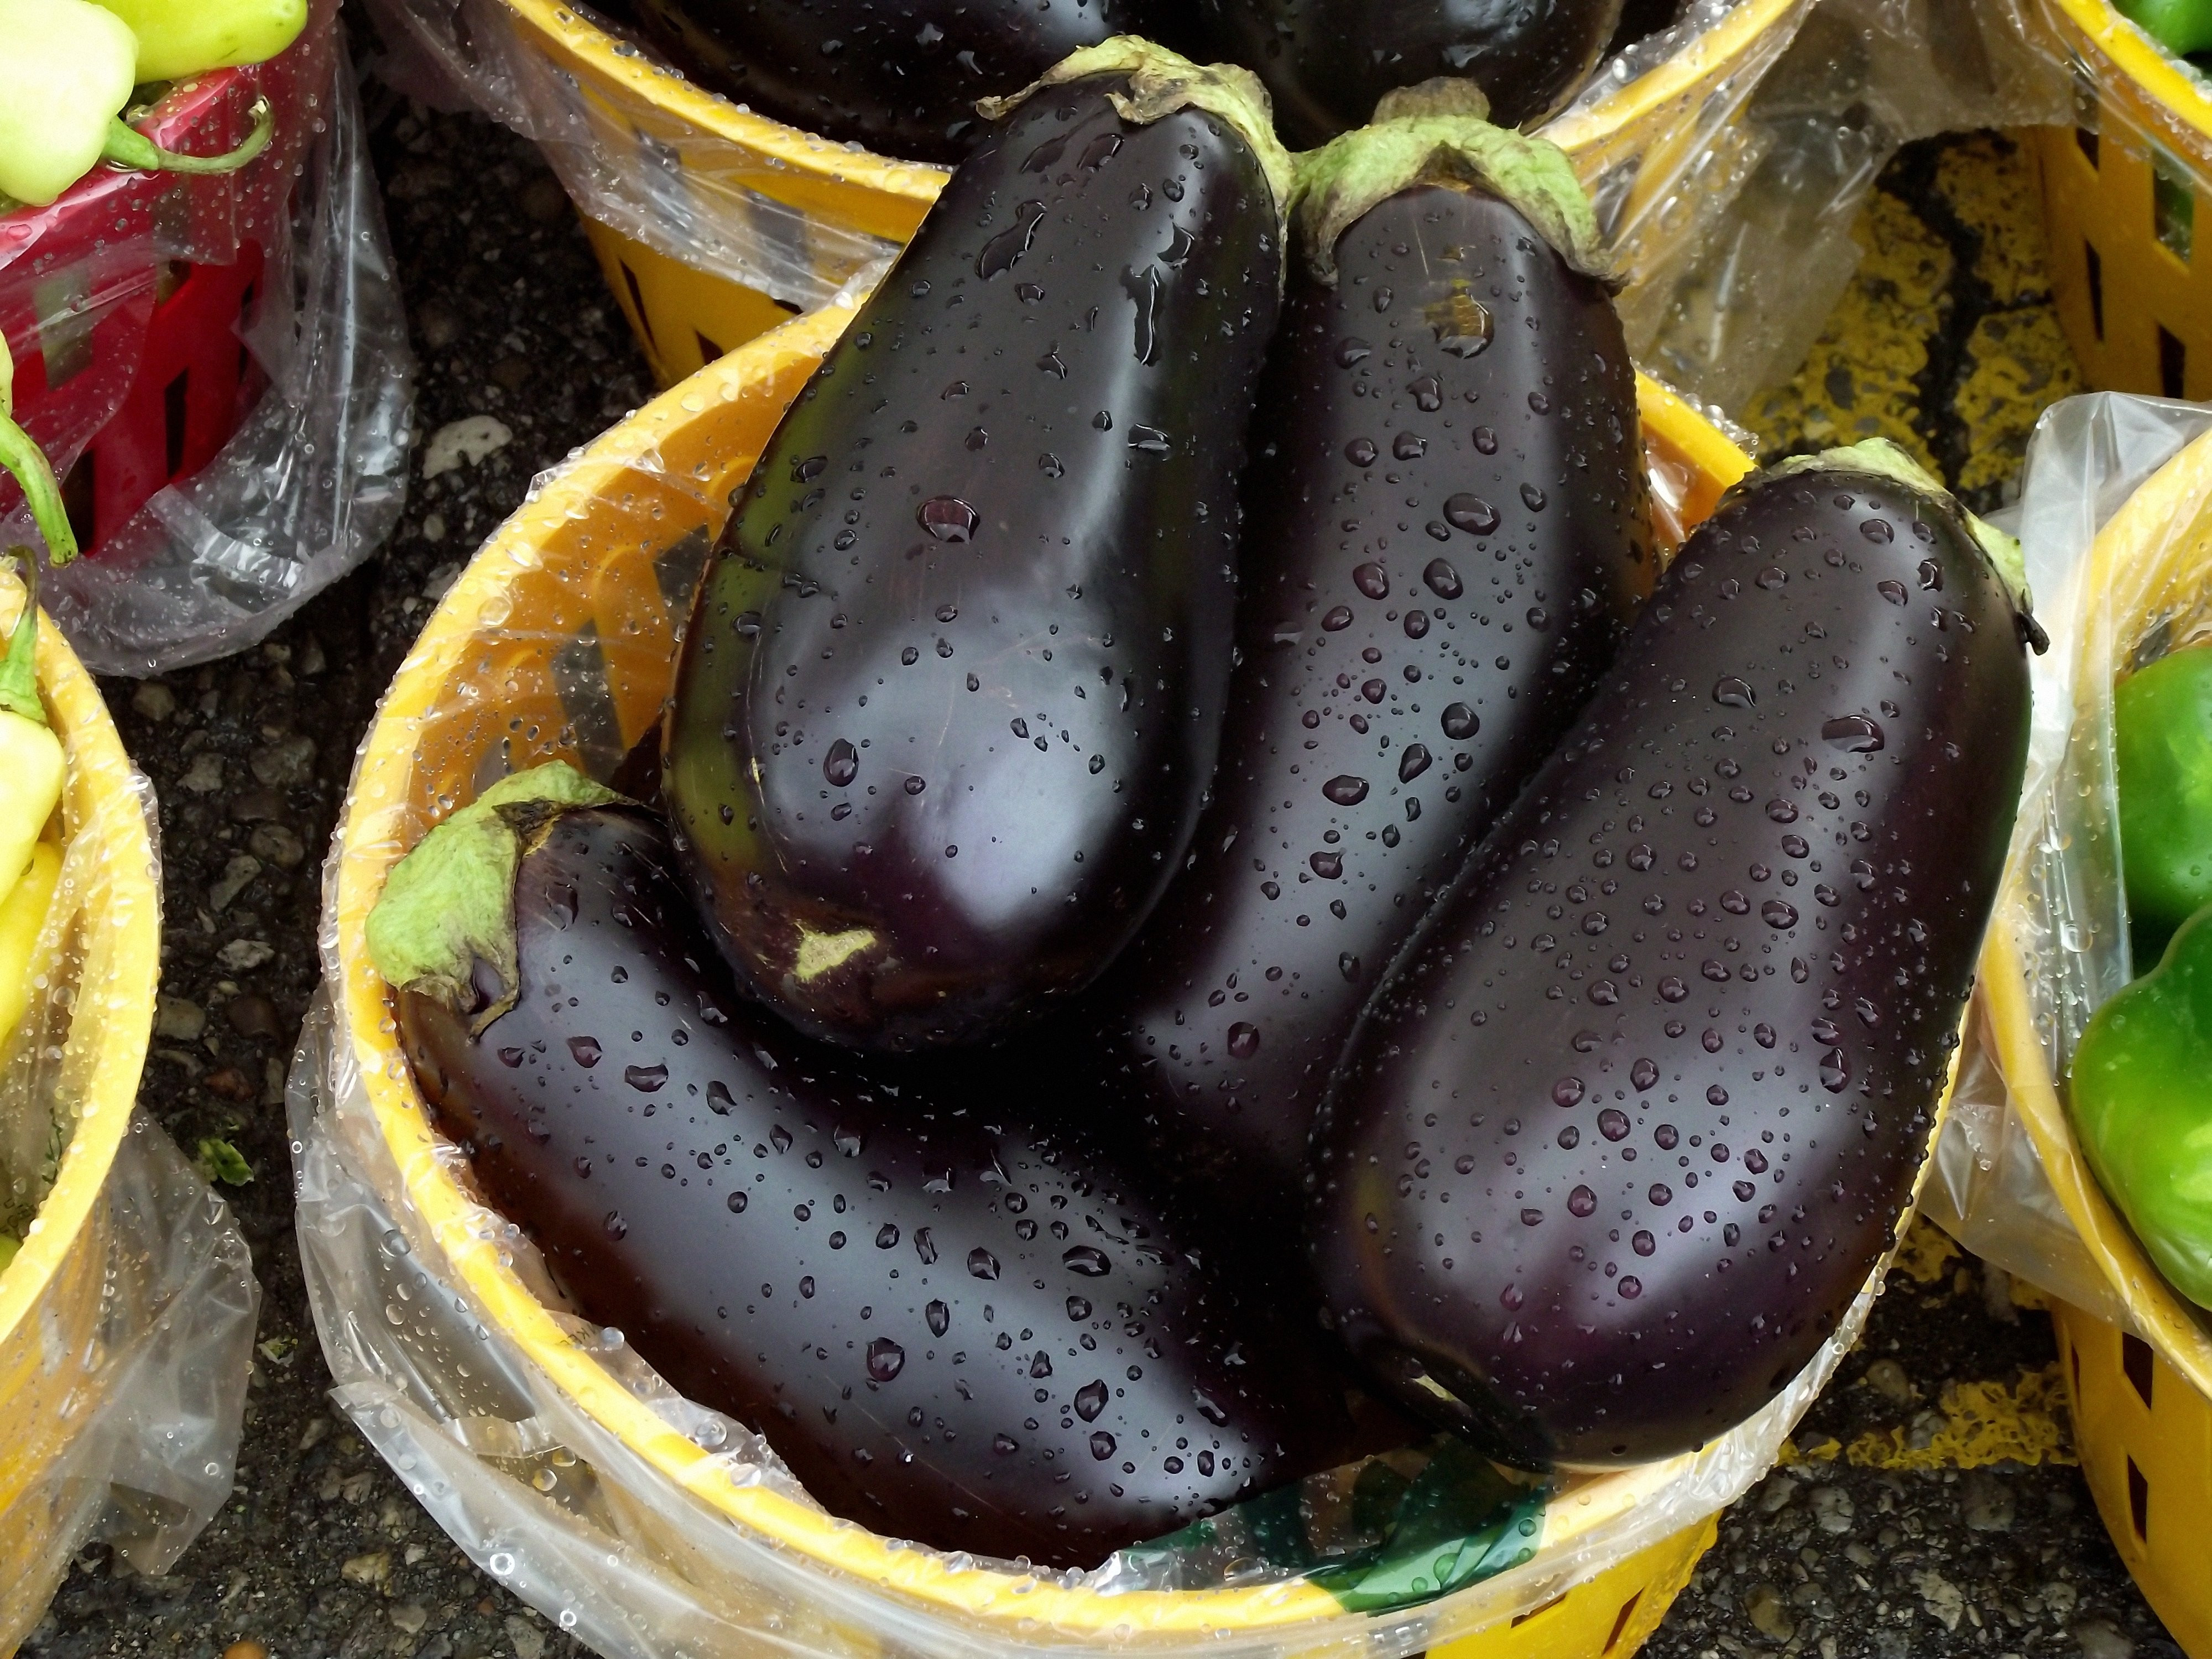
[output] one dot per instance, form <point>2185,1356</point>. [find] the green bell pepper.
<point>2180,25</point>
<point>178,38</point>
<point>2162,748</point>
<point>2140,1094</point>
<point>66,69</point>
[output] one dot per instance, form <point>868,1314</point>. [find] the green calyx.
<point>21,458</point>
<point>1435,133</point>
<point>126,147</point>
<point>448,909</point>
<point>1160,83</point>
<point>1885,459</point>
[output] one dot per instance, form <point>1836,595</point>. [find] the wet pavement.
<point>1932,1507</point>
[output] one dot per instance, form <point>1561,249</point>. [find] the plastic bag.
<point>315,476</point>
<point>648,1524</point>
<point>1745,300</point>
<point>126,1320</point>
<point>2112,591</point>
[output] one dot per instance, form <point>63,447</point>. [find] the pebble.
<point>1770,1613</point>
<point>237,874</point>
<point>242,955</point>
<point>251,1015</point>
<point>278,845</point>
<point>410,1618</point>
<point>288,761</point>
<point>245,1648</point>
<point>1944,1600</point>
<point>436,325</point>
<point>204,775</point>
<point>1987,1503</point>
<point>178,1019</point>
<point>256,807</point>
<point>1776,1493</point>
<point>372,1568</point>
<point>2098,1638</point>
<point>464,442</point>
<point>154,700</point>
<point>1832,1510</point>
<point>1887,1378</point>
<point>530,1641</point>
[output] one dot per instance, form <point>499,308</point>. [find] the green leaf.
<point>218,1160</point>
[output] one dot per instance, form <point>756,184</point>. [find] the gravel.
<point>320,1553</point>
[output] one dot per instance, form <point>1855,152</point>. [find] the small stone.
<point>1945,1601</point>
<point>154,700</point>
<point>237,875</point>
<point>1987,1503</point>
<point>437,323</point>
<point>1833,1509</point>
<point>1887,1378</point>
<point>2099,1639</point>
<point>315,1433</point>
<point>256,807</point>
<point>544,200</point>
<point>530,1641</point>
<point>177,1019</point>
<point>466,441</point>
<point>311,661</point>
<point>245,1648</point>
<point>356,1486</point>
<point>276,844</point>
<point>434,528</point>
<point>1770,1613</point>
<point>204,775</point>
<point>1858,1554</point>
<point>251,1015</point>
<point>230,1083</point>
<point>511,373</point>
<point>435,584</point>
<point>410,1618</point>
<point>414,1552</point>
<point>286,762</point>
<point>272,1083</point>
<point>2058,1598</point>
<point>242,955</point>
<point>1775,1493</point>
<point>372,1568</point>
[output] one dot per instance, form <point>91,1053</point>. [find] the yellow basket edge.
<point>2179,1334</point>
<point>96,757</point>
<point>1704,57</point>
<point>448,1211</point>
<point>2139,58</point>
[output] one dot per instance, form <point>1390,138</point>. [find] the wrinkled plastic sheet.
<point>1745,300</point>
<point>315,477</point>
<point>122,1384</point>
<point>2065,898</point>
<point>551,1501</point>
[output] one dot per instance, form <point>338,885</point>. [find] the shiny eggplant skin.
<point>1439,568</point>
<point>901,76</point>
<point>951,694</point>
<point>1327,63</point>
<point>954,1330</point>
<point>1631,1122</point>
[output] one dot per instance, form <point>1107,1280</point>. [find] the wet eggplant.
<point>1328,64</point>
<point>902,79</point>
<point>951,694</point>
<point>1630,1123</point>
<point>1447,530</point>
<point>950,1327</point>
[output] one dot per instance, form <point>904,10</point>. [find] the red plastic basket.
<point>123,302</point>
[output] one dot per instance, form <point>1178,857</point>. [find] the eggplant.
<point>951,693</point>
<point>1632,1121</point>
<point>951,1327</point>
<point>1447,534</point>
<point>902,79</point>
<point>1328,64</point>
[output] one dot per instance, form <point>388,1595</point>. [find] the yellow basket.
<point>559,641</point>
<point>54,1298</point>
<point>1631,150</point>
<point>2127,206</point>
<point>2142,1409</point>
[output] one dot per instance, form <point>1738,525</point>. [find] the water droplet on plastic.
<point>1244,1040</point>
<point>1472,514</point>
<point>585,1051</point>
<point>982,1264</point>
<point>1361,451</point>
<point>841,764</point>
<point>1346,790</point>
<point>947,518</point>
<point>1370,580</point>
<point>1087,1259</point>
<point>1854,733</point>
<point>886,1359</point>
<point>1892,591</point>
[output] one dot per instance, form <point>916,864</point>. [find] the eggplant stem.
<point>129,149</point>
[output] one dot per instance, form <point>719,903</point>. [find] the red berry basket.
<point>126,302</point>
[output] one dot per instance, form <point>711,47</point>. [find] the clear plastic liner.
<point>2065,903</point>
<point>1743,302</point>
<point>690,194</point>
<point>316,475</point>
<point>126,1322</point>
<point>563,1484</point>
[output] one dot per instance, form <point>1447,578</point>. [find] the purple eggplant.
<point>1328,64</point>
<point>902,78</point>
<point>952,1327</point>
<point>1447,533</point>
<point>1630,1121</point>
<point>952,691</point>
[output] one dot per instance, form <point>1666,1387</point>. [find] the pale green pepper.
<point>66,70</point>
<point>178,38</point>
<point>31,764</point>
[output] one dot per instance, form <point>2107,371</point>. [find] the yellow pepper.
<point>177,38</point>
<point>22,913</point>
<point>31,765</point>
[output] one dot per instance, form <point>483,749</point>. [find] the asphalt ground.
<point>1932,1507</point>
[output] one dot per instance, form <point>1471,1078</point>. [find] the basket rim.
<point>1709,54</point>
<point>2141,60</point>
<point>116,815</point>
<point>2183,1337</point>
<point>379,798</point>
